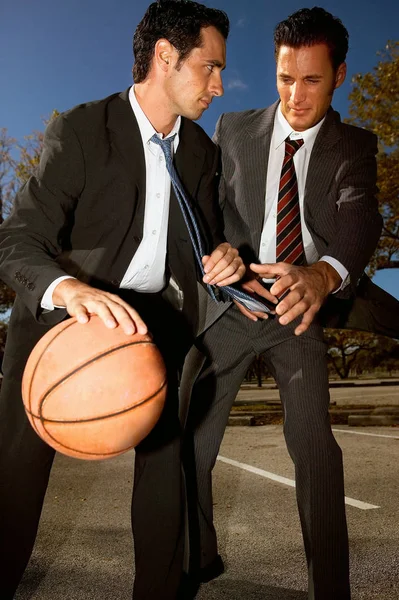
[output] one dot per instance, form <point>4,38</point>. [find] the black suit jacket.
<point>83,215</point>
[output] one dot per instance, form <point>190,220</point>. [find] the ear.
<point>340,75</point>
<point>163,54</point>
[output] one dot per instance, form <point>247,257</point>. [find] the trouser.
<point>299,365</point>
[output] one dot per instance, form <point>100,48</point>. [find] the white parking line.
<point>392,437</point>
<point>351,501</point>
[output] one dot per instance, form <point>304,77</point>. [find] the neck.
<point>155,105</point>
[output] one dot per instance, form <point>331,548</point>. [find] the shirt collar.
<point>146,129</point>
<point>282,129</point>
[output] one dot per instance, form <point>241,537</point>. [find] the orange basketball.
<point>93,392</point>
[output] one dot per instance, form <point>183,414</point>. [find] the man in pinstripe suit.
<point>339,225</point>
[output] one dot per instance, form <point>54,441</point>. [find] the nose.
<point>297,92</point>
<point>216,87</point>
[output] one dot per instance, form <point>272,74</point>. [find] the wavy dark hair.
<point>311,26</point>
<point>178,21</point>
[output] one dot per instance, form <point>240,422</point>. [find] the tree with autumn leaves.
<point>374,105</point>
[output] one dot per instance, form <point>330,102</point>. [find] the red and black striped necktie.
<point>289,244</point>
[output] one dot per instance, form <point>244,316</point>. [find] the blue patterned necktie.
<point>232,293</point>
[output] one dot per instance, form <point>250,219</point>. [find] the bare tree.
<point>7,170</point>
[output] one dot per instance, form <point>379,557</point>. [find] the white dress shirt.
<point>267,250</point>
<point>146,271</point>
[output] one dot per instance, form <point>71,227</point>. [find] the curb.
<point>386,416</point>
<point>332,384</point>
<point>373,420</point>
<point>241,421</point>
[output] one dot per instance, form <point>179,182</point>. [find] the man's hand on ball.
<point>82,300</point>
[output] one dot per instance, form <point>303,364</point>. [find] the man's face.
<point>192,87</point>
<point>306,81</point>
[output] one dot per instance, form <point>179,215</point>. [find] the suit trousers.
<point>158,497</point>
<point>299,366</point>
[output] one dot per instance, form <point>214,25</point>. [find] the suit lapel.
<point>189,162</point>
<point>323,164</point>
<point>189,158</point>
<point>126,140</point>
<point>258,137</point>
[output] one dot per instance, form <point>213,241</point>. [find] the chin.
<point>299,124</point>
<point>193,115</point>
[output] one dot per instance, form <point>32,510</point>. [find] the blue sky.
<point>57,54</point>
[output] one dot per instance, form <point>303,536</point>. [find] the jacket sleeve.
<point>358,222</point>
<point>37,229</point>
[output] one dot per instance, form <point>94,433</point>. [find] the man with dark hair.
<point>182,27</point>
<point>304,206</point>
<point>309,27</point>
<point>103,230</point>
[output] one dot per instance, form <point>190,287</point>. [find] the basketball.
<point>91,392</point>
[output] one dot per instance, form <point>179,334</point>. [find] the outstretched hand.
<point>306,289</point>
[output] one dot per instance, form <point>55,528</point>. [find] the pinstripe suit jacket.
<point>340,209</point>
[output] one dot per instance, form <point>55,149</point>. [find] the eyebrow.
<point>216,63</point>
<point>314,76</point>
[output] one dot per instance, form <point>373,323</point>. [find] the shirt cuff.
<point>342,272</point>
<point>47,300</point>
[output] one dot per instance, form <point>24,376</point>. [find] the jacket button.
<point>31,287</point>
<point>115,282</point>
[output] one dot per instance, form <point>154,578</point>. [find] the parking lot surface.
<point>84,548</point>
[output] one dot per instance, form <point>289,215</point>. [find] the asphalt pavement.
<point>84,547</point>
